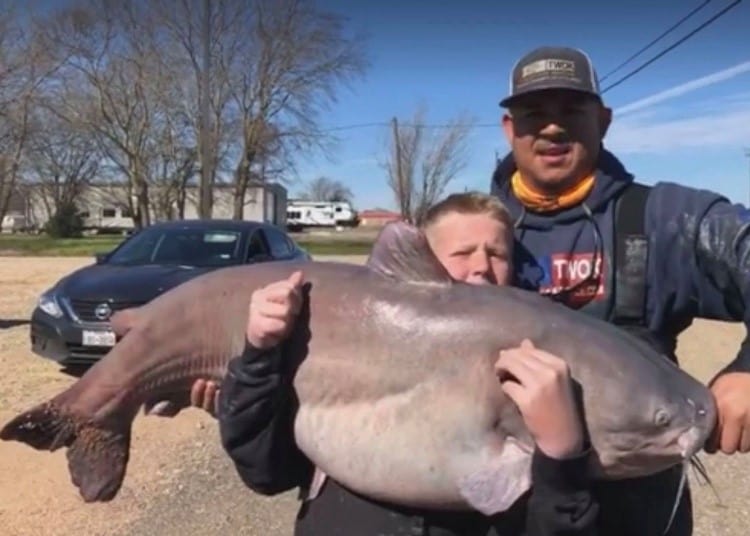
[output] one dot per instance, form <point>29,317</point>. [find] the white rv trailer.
<point>301,214</point>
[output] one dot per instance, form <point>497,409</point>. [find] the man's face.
<point>474,248</point>
<point>555,136</point>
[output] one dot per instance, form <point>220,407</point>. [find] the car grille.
<point>83,355</point>
<point>85,309</point>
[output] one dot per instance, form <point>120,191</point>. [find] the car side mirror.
<point>101,257</point>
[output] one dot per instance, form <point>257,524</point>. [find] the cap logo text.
<point>550,65</point>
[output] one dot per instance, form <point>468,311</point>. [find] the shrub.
<point>66,223</point>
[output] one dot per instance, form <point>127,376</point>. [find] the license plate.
<point>98,338</point>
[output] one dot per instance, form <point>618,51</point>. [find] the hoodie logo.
<point>577,277</point>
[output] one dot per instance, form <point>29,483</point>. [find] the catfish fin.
<point>97,455</point>
<point>497,481</point>
<point>124,320</point>
<point>167,405</point>
<point>401,252</point>
<point>318,479</point>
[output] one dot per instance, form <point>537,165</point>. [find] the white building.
<point>105,206</point>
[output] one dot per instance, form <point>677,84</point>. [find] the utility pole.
<point>205,203</point>
<point>403,196</point>
<point>397,142</point>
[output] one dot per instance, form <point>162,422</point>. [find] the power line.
<point>673,46</point>
<point>402,124</point>
<point>357,126</point>
<point>664,34</point>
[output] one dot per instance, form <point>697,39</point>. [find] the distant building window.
<point>125,212</point>
<point>109,212</point>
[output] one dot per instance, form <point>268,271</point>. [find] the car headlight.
<point>49,305</point>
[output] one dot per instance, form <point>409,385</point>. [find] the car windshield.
<point>183,247</point>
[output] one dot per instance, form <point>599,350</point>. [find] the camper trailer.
<point>301,214</point>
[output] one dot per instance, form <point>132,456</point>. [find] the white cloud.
<point>718,121</point>
<point>687,87</point>
<point>727,125</point>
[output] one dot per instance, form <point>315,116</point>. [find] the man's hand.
<point>540,385</point>
<point>205,395</point>
<point>273,310</point>
<point>732,431</point>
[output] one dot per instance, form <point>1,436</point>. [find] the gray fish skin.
<point>398,396</point>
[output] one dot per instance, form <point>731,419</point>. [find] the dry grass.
<point>169,482</point>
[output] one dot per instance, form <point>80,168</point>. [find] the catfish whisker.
<point>699,468</point>
<point>680,489</point>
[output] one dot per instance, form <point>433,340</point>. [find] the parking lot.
<point>179,482</point>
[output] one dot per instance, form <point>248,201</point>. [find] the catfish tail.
<point>97,456</point>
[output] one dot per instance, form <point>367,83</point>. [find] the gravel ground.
<point>180,483</point>
<point>206,497</point>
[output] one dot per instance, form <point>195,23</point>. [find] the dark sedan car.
<point>70,322</point>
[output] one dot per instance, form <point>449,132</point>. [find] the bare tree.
<point>65,160</point>
<point>111,86</point>
<point>325,189</point>
<point>24,65</point>
<point>173,168</point>
<point>182,45</point>
<point>422,161</point>
<point>283,68</point>
<point>117,87</point>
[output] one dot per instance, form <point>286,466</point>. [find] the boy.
<point>471,235</point>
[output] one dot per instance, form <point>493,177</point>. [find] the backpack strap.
<point>631,256</point>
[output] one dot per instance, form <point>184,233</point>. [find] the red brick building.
<point>377,217</point>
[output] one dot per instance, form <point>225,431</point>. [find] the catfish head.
<point>646,415</point>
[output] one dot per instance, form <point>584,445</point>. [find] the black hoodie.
<point>256,412</point>
<point>698,260</point>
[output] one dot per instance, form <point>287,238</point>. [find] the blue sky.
<point>684,118</point>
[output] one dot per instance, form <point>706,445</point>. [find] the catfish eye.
<point>661,418</point>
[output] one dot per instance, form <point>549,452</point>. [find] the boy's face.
<point>474,248</point>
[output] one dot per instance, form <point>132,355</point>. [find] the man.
<point>471,234</point>
<point>650,259</point>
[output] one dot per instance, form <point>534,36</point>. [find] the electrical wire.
<point>615,84</point>
<point>404,124</point>
<point>664,34</point>
<point>673,46</point>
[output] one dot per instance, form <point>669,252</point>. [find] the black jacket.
<point>698,251</point>
<point>256,413</point>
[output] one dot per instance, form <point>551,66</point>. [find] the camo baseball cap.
<point>552,68</point>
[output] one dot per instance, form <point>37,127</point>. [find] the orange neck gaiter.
<point>539,202</point>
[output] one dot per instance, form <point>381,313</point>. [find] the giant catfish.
<point>398,397</point>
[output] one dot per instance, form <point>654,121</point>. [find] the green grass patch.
<point>45,246</point>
